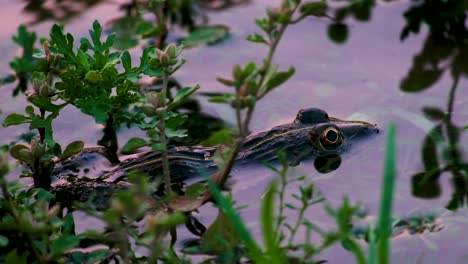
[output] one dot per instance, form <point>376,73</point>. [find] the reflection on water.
<point>326,164</point>
<point>445,49</point>
<point>58,10</point>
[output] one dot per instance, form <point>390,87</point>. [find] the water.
<point>359,79</point>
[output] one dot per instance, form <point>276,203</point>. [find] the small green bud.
<point>250,101</point>
<point>244,90</point>
<point>164,59</point>
<point>117,206</point>
<point>308,191</point>
<point>149,110</point>
<point>225,81</point>
<point>173,62</point>
<point>31,95</point>
<point>46,45</point>
<point>37,83</point>
<point>93,77</point>
<point>37,149</point>
<point>158,52</point>
<point>238,103</point>
<point>151,222</point>
<point>273,13</point>
<point>153,98</point>
<point>53,212</point>
<point>4,167</point>
<point>171,50</point>
<point>33,143</point>
<point>44,90</point>
<point>236,71</point>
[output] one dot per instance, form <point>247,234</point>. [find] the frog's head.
<point>329,134</point>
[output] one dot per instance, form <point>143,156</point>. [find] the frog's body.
<point>305,137</point>
<point>312,134</point>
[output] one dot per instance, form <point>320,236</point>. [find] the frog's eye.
<point>331,138</point>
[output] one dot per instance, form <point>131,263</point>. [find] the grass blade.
<point>384,224</point>
<point>237,223</point>
<point>267,219</point>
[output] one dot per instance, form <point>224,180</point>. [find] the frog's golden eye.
<point>331,138</point>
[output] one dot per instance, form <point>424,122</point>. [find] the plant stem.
<point>42,129</point>
<point>221,177</point>
<point>162,135</point>
<point>450,128</point>
<point>284,183</point>
<point>159,12</point>
<point>297,224</point>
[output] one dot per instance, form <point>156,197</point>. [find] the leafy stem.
<point>275,34</point>
<point>18,220</point>
<point>162,134</point>
<point>298,222</point>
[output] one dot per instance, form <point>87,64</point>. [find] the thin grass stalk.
<point>384,225</point>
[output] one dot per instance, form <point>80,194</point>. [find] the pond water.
<point>359,79</point>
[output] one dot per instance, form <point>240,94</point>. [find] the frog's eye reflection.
<point>331,138</point>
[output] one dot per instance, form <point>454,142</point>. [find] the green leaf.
<point>99,107</point>
<point>125,30</point>
<point>338,32</point>
<point>42,195</point>
<point>434,113</point>
<point>220,236</point>
<point>268,229</point>
<point>96,34</point>
<point>144,27</point>
<point>15,119</point>
<point>68,224</point>
<point>127,61</point>
<point>226,98</point>
<point>196,189</point>
<point>238,225</point>
<point>72,149</point>
<point>133,144</point>
<point>64,243</point>
<point>314,9</point>
<point>224,136</point>
<point>177,132</point>
<point>98,255</point>
<point>257,38</point>
<point>8,79</point>
<point>3,241</point>
<point>247,71</point>
<point>205,35</point>
<point>93,77</point>
<point>182,95</point>
<point>45,103</point>
<point>384,225</point>
<point>26,40</point>
<point>83,59</point>
<point>30,111</point>
<point>14,258</point>
<point>158,146</point>
<point>279,78</point>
